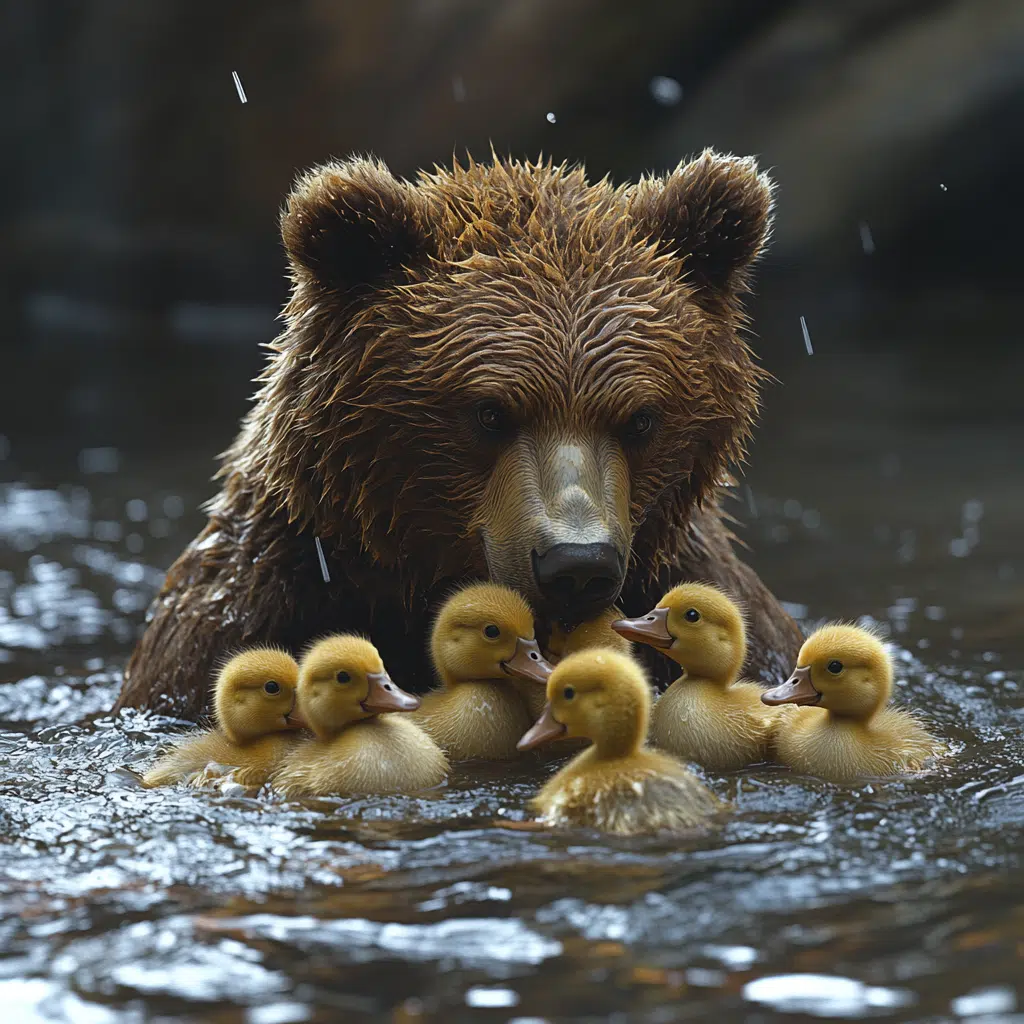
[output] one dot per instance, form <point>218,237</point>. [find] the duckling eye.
<point>568,693</point>
<point>271,687</point>
<point>343,677</point>
<point>691,615</point>
<point>835,667</point>
<point>492,632</point>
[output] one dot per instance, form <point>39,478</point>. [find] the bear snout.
<point>555,523</point>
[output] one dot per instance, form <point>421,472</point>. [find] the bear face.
<point>506,371</point>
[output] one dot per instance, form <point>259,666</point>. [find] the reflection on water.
<point>891,899</point>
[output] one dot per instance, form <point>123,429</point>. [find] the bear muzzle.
<point>555,523</point>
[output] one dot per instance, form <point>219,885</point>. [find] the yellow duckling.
<point>705,715</point>
<point>597,632</point>
<point>617,784</point>
<point>846,731</point>
<point>343,687</point>
<point>562,642</point>
<point>254,707</point>
<point>483,642</point>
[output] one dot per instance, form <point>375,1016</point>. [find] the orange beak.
<point>545,729</point>
<point>383,695</point>
<point>650,629</point>
<point>528,663</point>
<point>797,689</point>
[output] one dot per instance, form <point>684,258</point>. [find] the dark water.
<point>885,484</point>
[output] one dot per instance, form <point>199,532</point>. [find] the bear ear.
<point>353,224</point>
<point>715,211</point>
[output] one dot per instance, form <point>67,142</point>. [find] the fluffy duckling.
<point>596,632</point>
<point>617,784</point>
<point>705,715</point>
<point>343,688</point>
<point>562,642</point>
<point>254,707</point>
<point>482,644</point>
<point>845,730</point>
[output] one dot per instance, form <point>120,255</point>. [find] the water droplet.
<point>666,91</point>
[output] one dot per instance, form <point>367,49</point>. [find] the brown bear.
<point>499,371</point>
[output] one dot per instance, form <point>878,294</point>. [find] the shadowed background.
<point>142,267</point>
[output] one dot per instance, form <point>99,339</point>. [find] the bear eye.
<point>691,615</point>
<point>271,687</point>
<point>492,632</point>
<point>343,677</point>
<point>640,425</point>
<point>568,693</point>
<point>835,667</point>
<point>491,417</point>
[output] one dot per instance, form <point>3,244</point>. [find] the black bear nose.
<point>579,578</point>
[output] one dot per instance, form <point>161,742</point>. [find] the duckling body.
<point>254,707</point>
<point>842,728</point>
<point>721,728</point>
<point>383,754</point>
<point>253,763</point>
<point>644,792</point>
<point>616,785</point>
<point>477,719</point>
<point>815,742</point>
<point>707,715</point>
<point>357,748</point>
<point>487,659</point>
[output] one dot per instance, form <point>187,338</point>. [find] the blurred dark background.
<point>140,269</point>
<point>141,195</point>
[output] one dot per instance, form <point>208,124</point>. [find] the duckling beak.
<point>383,695</point>
<point>797,689</point>
<point>528,663</point>
<point>545,729</point>
<point>651,629</point>
<point>294,719</point>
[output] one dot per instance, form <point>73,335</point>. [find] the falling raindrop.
<point>807,336</point>
<point>867,240</point>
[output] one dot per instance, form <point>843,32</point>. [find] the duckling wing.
<point>188,755</point>
<point>906,741</point>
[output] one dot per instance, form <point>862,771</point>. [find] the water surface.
<point>883,485</point>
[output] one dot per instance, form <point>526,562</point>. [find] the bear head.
<point>505,370</point>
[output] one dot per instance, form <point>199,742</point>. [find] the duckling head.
<point>342,680</point>
<point>599,695</point>
<point>255,694</point>
<point>485,631</point>
<point>842,668</point>
<point>592,633</point>
<point>697,626</point>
